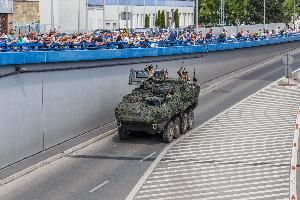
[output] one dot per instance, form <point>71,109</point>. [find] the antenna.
<point>194,78</point>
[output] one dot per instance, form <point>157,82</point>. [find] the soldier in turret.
<point>179,72</point>
<point>185,74</point>
<point>164,74</point>
<point>156,72</point>
<point>150,70</point>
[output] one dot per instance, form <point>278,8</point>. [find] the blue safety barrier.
<point>38,53</point>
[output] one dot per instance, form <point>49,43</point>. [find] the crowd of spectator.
<point>133,39</point>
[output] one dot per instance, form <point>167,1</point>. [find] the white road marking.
<point>98,187</point>
<point>244,152</point>
<point>149,156</point>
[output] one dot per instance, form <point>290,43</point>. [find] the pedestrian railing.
<point>15,47</point>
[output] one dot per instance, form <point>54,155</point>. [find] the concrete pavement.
<point>243,153</point>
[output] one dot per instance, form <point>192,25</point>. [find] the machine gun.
<point>137,77</point>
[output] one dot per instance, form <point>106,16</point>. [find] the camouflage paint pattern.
<point>175,96</point>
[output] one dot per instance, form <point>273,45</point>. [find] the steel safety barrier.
<point>39,53</point>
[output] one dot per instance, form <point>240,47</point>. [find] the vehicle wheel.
<point>123,134</point>
<point>190,119</point>
<point>168,132</point>
<point>183,123</point>
<point>177,128</point>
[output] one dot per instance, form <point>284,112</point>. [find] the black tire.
<point>123,134</point>
<point>183,123</point>
<point>190,119</point>
<point>177,128</point>
<point>168,132</point>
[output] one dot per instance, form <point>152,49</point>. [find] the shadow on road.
<point>100,157</point>
<point>139,138</point>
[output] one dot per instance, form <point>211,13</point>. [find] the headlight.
<point>154,126</point>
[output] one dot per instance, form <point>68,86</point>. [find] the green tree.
<point>256,11</point>
<point>176,18</point>
<point>236,11</point>
<point>274,11</point>
<point>157,19</point>
<point>162,19</point>
<point>288,10</point>
<point>209,11</point>
<point>147,21</point>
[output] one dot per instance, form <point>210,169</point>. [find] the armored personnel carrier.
<point>160,105</point>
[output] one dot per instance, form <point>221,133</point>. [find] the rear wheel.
<point>123,134</point>
<point>177,127</point>
<point>183,123</point>
<point>168,132</point>
<point>190,119</point>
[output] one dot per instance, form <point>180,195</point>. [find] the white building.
<point>70,15</point>
<point>64,15</point>
<point>111,14</point>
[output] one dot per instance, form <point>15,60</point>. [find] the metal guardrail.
<point>38,53</point>
<point>124,45</point>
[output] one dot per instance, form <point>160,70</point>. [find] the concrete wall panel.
<point>39,110</point>
<point>21,117</point>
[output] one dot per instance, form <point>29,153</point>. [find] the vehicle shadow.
<point>139,138</point>
<point>102,157</point>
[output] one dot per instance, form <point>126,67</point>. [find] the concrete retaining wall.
<point>42,109</point>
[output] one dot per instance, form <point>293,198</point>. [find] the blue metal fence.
<point>38,53</point>
<point>123,45</point>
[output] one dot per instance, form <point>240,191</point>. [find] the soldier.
<point>185,75</point>
<point>156,72</point>
<point>179,72</point>
<point>166,74</point>
<point>150,70</point>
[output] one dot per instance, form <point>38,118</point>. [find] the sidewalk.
<point>243,153</point>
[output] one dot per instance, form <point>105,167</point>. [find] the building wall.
<point>103,16</point>
<point>112,19</point>
<point>26,12</point>
<point>66,15</point>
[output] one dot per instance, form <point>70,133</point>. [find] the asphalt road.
<point>109,169</point>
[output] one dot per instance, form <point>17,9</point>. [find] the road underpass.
<point>109,169</point>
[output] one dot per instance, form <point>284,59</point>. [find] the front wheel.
<point>123,134</point>
<point>177,128</point>
<point>190,119</point>
<point>184,123</point>
<point>168,132</point>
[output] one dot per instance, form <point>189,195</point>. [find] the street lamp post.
<point>294,16</point>
<point>222,10</point>
<point>87,16</point>
<point>126,15</point>
<point>172,19</point>
<point>52,16</point>
<point>264,13</point>
<point>197,15</point>
<point>78,16</point>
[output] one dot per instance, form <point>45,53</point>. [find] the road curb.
<point>56,157</point>
<point>294,161</point>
